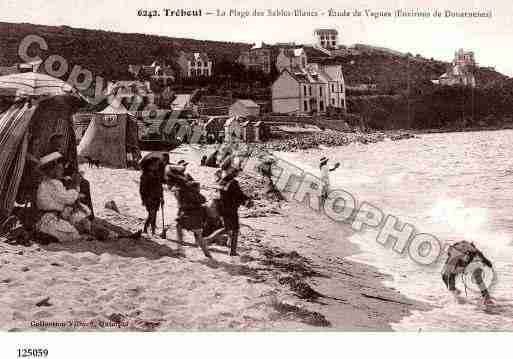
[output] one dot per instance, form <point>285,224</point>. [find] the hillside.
<point>105,53</point>
<point>392,72</point>
<point>108,54</point>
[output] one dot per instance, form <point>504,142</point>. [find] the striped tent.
<point>14,139</point>
<point>39,106</point>
<point>25,132</point>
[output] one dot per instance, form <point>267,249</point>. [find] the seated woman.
<point>61,211</point>
<point>57,144</point>
<point>63,216</point>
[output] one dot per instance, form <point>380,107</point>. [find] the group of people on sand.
<point>65,209</point>
<point>207,221</point>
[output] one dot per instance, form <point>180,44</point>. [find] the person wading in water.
<point>460,256</point>
<point>325,176</point>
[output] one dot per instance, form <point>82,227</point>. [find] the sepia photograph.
<point>243,168</point>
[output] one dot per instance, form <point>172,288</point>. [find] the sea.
<point>454,186</point>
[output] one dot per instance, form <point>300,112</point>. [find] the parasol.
<point>35,84</point>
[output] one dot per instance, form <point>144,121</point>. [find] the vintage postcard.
<point>248,166</point>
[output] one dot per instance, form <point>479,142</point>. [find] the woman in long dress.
<point>62,214</point>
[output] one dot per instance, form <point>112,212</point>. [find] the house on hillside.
<point>332,76</point>
<point>244,108</point>
<point>259,59</point>
<point>461,70</point>
<point>310,90</point>
<point>129,88</point>
<point>181,102</point>
<point>326,38</point>
<point>156,71</point>
<point>194,64</point>
<point>134,94</point>
<point>291,59</point>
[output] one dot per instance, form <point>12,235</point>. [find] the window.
<point>332,87</point>
<point>333,43</point>
<point>341,88</point>
<point>200,64</point>
<point>109,120</point>
<point>333,101</point>
<point>310,90</point>
<point>304,89</point>
<point>320,90</point>
<point>305,106</point>
<point>321,105</point>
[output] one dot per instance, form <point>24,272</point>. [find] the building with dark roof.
<point>309,90</point>
<point>327,38</point>
<point>259,59</point>
<point>194,64</point>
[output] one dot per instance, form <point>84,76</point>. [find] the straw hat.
<point>50,159</point>
<point>323,161</point>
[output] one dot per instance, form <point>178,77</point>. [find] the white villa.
<point>309,90</point>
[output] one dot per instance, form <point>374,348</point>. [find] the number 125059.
<point>32,353</point>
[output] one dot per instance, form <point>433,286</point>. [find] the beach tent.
<point>111,138</point>
<point>232,130</point>
<point>244,108</point>
<point>25,131</point>
<point>215,126</point>
<point>34,107</point>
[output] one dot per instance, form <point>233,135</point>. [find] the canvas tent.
<point>244,108</point>
<point>111,138</point>
<point>25,131</point>
<point>232,130</point>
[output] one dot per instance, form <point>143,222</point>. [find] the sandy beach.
<point>293,272</point>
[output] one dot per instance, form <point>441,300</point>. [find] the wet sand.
<point>293,272</point>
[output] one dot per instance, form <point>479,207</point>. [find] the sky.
<point>489,38</point>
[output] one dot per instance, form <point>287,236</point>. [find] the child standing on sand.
<point>191,213</point>
<point>231,198</point>
<point>152,195</point>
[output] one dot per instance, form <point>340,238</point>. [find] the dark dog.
<point>92,162</point>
